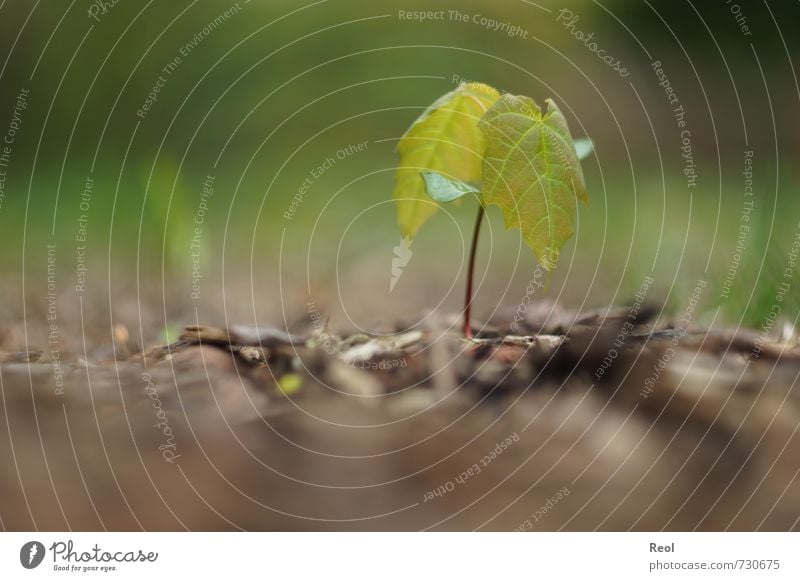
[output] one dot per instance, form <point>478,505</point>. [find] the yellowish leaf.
<point>445,139</point>
<point>531,170</point>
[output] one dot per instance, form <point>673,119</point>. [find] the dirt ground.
<point>576,421</point>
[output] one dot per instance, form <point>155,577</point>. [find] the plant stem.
<point>471,272</point>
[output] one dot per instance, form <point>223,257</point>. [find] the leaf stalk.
<point>471,272</point>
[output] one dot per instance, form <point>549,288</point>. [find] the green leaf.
<point>531,170</point>
<point>443,189</point>
<point>584,147</point>
<point>445,139</point>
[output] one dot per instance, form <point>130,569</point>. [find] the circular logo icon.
<point>31,554</point>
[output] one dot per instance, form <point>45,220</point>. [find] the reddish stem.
<point>471,272</point>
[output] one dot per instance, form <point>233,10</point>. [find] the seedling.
<point>503,150</point>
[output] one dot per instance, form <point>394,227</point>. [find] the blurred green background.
<point>265,92</point>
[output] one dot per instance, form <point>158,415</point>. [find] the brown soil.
<point>566,425</point>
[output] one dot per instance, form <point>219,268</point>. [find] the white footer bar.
<point>402,556</point>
